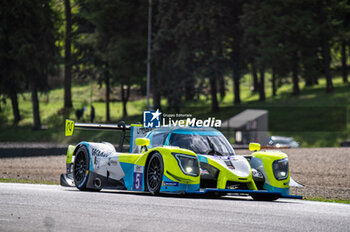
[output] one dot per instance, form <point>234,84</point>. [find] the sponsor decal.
<point>97,162</point>
<point>192,122</point>
<point>204,172</point>
<point>99,153</point>
<point>152,119</point>
<point>142,130</point>
<point>170,183</point>
<point>138,169</point>
<point>112,161</point>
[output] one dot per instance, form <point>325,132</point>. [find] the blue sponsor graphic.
<point>170,183</point>
<point>129,174</point>
<point>151,118</point>
<point>176,186</point>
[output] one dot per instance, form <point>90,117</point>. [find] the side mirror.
<point>254,146</point>
<point>142,142</point>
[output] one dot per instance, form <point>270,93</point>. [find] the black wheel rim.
<point>80,167</point>
<point>154,173</point>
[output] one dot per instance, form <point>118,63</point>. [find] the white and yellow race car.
<point>175,160</point>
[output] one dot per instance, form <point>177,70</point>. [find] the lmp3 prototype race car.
<point>175,160</point>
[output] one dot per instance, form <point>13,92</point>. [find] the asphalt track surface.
<point>26,207</point>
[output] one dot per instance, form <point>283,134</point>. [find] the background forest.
<point>87,59</point>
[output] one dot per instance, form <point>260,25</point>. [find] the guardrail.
<point>8,150</point>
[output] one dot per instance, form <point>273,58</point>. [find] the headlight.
<point>188,164</point>
<point>280,169</point>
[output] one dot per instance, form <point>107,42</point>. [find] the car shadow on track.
<point>244,198</point>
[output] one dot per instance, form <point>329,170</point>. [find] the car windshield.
<point>202,144</point>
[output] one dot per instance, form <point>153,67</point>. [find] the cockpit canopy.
<point>203,141</point>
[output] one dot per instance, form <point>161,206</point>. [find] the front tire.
<point>154,176</point>
<point>81,168</point>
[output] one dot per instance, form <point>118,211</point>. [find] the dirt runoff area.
<point>325,172</point>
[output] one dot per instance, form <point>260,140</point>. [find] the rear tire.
<point>154,173</point>
<point>81,169</point>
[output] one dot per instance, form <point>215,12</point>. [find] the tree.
<point>172,51</point>
<point>255,75</point>
<point>31,49</point>
<point>256,24</point>
<point>283,36</point>
<point>344,57</point>
<point>325,30</point>
<point>128,47</point>
<point>41,53</point>
<point>184,58</point>
<point>295,73</point>
<point>273,82</point>
<point>67,59</point>
<point>262,84</point>
<point>10,78</point>
<point>115,50</point>
<point>92,42</point>
<point>342,15</point>
<point>234,36</point>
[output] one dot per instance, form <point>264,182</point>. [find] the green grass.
<point>329,200</point>
<point>26,181</point>
<point>52,102</point>
<point>52,116</point>
<point>314,117</point>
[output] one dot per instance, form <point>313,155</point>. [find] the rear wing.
<point>136,131</point>
<point>71,125</point>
